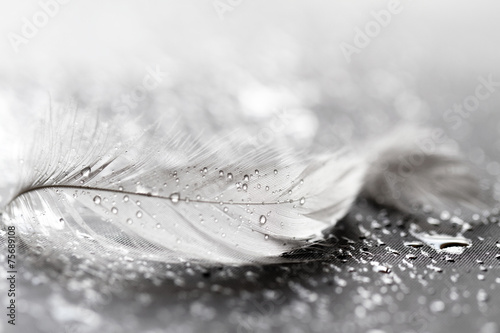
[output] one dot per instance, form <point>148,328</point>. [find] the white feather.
<point>170,198</point>
<point>413,168</point>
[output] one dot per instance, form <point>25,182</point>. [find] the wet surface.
<point>359,278</point>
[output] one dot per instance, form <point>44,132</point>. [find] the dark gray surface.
<point>359,280</point>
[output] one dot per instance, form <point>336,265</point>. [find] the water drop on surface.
<point>275,171</point>
<point>229,176</point>
<point>138,214</point>
<point>444,243</point>
<point>433,221</point>
<point>129,221</point>
<point>266,237</point>
<point>175,197</point>
<point>415,244</point>
<point>437,306</point>
<point>302,201</point>
<point>445,215</point>
<point>158,226</point>
<point>97,200</point>
<point>482,296</point>
<point>246,178</point>
<point>262,219</point>
<point>125,198</point>
<point>85,172</point>
<point>221,173</point>
<point>114,210</point>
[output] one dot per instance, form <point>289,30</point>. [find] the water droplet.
<point>225,209</point>
<point>382,269</point>
<point>229,176</point>
<point>125,198</point>
<point>221,173</point>
<point>433,221</point>
<point>482,296</point>
<point>445,215</point>
<point>97,200</point>
<point>244,187</point>
<point>302,201</point>
<point>129,221</point>
<point>204,170</point>
<point>415,244</point>
<point>262,219</point>
<point>138,214</point>
<point>158,226</point>
<point>85,172</point>
<point>256,172</point>
<point>437,306</point>
<point>246,178</point>
<point>267,188</point>
<point>266,237</point>
<point>445,243</point>
<point>275,171</point>
<point>114,210</point>
<point>175,197</point>
<point>120,188</point>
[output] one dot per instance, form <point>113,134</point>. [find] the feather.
<point>417,168</point>
<point>175,198</point>
<point>171,198</point>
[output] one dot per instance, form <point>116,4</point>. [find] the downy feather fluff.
<point>171,198</point>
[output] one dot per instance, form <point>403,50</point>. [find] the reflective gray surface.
<point>233,74</point>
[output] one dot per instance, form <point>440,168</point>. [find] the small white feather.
<point>172,198</point>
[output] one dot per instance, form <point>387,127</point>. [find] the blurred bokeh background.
<point>342,71</point>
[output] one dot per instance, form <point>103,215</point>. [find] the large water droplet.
<point>302,200</point>
<point>441,242</point>
<point>85,172</point>
<point>114,210</point>
<point>138,214</point>
<point>97,200</point>
<point>263,219</point>
<point>229,176</point>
